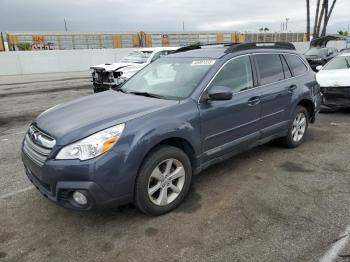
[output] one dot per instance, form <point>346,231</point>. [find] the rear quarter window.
<point>296,65</point>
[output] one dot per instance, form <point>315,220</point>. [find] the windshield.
<point>170,78</point>
<point>339,62</point>
<point>317,51</point>
<point>139,57</point>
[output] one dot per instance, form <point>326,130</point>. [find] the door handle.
<point>292,88</point>
<point>254,101</point>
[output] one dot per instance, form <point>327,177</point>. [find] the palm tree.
<point>323,16</point>
<point>308,20</point>
<point>327,16</point>
<point>316,17</point>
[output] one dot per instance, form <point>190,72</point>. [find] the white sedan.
<point>334,80</point>
<point>106,76</point>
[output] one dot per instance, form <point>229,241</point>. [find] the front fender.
<point>143,134</point>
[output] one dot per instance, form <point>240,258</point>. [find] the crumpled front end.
<point>335,97</point>
<point>108,76</point>
<point>104,80</point>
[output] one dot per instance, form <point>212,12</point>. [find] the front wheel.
<point>297,128</point>
<point>163,181</point>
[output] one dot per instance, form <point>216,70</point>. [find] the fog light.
<point>80,198</point>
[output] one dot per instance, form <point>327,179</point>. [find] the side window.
<point>296,65</point>
<point>155,57</point>
<point>287,73</point>
<point>270,68</point>
<point>236,74</point>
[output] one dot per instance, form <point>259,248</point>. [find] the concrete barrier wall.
<point>52,61</point>
<point>33,62</point>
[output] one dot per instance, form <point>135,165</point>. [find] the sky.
<point>162,15</point>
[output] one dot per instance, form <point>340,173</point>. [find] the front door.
<point>231,125</point>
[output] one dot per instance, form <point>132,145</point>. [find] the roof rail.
<point>262,45</point>
<point>199,46</point>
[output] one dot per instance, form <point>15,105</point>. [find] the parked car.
<point>172,119</point>
<point>320,56</point>
<point>334,79</point>
<point>108,76</point>
<point>345,50</point>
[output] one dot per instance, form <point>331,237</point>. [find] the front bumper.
<point>335,97</point>
<point>57,180</point>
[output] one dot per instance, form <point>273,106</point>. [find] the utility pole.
<point>287,19</point>
<point>65,24</point>
<point>183,26</point>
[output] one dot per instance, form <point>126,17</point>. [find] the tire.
<point>292,139</point>
<point>154,183</point>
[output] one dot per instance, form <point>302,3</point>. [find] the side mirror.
<point>220,93</point>
<point>318,68</point>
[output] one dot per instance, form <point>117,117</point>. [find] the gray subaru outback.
<point>143,142</point>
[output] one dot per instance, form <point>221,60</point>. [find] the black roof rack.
<point>269,45</point>
<point>234,47</point>
<point>199,46</point>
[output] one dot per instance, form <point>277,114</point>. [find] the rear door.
<point>231,125</point>
<point>276,87</point>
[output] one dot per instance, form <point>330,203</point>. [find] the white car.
<point>106,76</point>
<point>334,80</point>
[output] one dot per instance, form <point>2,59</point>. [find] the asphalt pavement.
<point>268,204</point>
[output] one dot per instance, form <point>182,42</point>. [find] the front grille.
<point>37,145</point>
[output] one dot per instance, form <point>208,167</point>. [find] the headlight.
<point>92,146</point>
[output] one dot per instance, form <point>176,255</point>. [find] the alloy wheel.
<point>166,182</point>
<point>299,127</point>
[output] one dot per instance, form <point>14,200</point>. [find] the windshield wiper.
<point>120,89</point>
<point>147,94</point>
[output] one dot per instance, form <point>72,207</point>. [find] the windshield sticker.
<point>202,62</point>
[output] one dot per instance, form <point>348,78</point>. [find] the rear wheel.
<point>297,128</point>
<point>163,181</point>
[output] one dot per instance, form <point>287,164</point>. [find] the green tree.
<point>24,46</point>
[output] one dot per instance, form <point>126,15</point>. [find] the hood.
<point>322,41</point>
<point>113,67</point>
<point>314,56</point>
<point>77,119</point>
<point>334,78</point>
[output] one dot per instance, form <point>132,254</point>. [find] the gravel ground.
<point>268,204</point>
